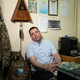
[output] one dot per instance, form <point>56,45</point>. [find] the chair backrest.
<point>29,67</point>
<point>27,60</point>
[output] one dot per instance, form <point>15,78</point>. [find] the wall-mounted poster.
<point>43,6</point>
<point>32,6</point>
<point>54,24</point>
<point>64,8</point>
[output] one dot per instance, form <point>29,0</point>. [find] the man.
<point>42,55</point>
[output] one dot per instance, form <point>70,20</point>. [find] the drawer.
<point>67,58</point>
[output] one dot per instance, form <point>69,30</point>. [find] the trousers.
<point>41,75</point>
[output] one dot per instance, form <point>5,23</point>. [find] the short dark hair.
<point>33,28</point>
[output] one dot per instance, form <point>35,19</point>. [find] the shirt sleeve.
<point>29,51</point>
<point>53,49</point>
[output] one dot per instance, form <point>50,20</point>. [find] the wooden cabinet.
<point>70,58</point>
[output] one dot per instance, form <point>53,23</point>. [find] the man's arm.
<point>57,58</point>
<point>48,67</point>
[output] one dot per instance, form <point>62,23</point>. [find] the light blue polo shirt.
<point>43,51</point>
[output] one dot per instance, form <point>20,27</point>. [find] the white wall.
<point>78,20</point>
<point>67,24</point>
<point>0,2</point>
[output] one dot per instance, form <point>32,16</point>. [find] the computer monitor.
<point>68,46</point>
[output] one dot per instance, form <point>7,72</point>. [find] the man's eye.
<point>36,31</point>
<point>32,34</point>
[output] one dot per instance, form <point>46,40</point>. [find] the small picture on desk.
<point>54,24</point>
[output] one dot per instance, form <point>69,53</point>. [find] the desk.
<point>63,74</point>
<point>70,58</point>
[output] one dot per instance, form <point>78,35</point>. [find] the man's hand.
<point>51,66</point>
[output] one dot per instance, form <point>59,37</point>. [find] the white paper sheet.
<point>43,24</point>
<point>63,8</point>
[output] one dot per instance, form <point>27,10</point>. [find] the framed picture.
<point>53,7</point>
<point>54,24</point>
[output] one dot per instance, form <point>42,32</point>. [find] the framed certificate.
<point>53,7</point>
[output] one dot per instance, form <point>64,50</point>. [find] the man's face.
<point>35,35</point>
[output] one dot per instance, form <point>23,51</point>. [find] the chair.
<point>29,67</point>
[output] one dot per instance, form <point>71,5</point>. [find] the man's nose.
<point>35,34</point>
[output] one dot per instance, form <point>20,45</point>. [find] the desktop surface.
<point>63,74</point>
<point>76,71</point>
<point>68,71</point>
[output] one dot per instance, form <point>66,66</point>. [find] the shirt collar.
<point>37,42</point>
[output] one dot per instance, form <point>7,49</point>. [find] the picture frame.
<point>53,7</point>
<point>54,24</point>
